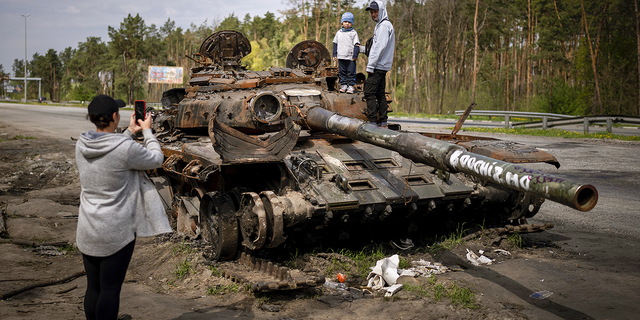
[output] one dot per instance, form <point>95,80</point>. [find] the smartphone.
<point>141,109</point>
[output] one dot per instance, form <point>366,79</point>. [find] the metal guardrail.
<point>551,119</point>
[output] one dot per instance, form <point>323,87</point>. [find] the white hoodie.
<point>384,39</point>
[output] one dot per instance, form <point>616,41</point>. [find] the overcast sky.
<point>57,24</point>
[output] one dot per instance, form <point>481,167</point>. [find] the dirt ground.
<point>169,278</point>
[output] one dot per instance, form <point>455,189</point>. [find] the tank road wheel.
<point>219,224</point>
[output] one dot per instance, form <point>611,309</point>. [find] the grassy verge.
<point>457,295</point>
<point>553,133</point>
<point>18,137</point>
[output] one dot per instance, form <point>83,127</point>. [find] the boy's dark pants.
<point>347,72</point>
<point>374,94</point>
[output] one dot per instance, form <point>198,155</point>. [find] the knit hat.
<point>104,105</point>
<point>347,16</point>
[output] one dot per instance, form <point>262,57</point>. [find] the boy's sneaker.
<point>343,88</point>
<point>350,89</point>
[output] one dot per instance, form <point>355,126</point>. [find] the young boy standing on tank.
<point>346,47</point>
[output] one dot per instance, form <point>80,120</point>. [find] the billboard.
<point>159,74</point>
<point>9,88</point>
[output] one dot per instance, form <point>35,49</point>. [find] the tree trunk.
<point>597,104</point>
<point>528,46</point>
<point>475,54</point>
<point>638,40</point>
<point>416,100</point>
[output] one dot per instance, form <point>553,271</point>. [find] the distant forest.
<point>576,57</point>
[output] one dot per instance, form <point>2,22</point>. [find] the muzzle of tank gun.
<point>450,157</point>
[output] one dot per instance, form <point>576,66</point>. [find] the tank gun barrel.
<point>450,157</point>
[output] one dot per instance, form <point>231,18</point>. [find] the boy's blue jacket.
<point>384,39</point>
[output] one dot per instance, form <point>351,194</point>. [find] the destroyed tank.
<point>258,160</point>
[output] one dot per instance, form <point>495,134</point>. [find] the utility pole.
<point>25,56</point>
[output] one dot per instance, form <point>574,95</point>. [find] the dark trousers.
<point>374,88</point>
<point>105,276</point>
<point>347,72</point>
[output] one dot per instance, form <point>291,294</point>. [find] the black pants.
<point>347,72</point>
<point>374,94</point>
<point>105,276</point>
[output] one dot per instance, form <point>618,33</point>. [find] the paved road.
<point>602,282</point>
<point>64,122</point>
<point>421,123</point>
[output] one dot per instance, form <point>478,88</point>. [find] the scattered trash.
<point>393,289</point>
<point>503,252</point>
<point>341,277</point>
<point>406,244</point>
<point>335,299</point>
<point>386,276</point>
<point>541,295</point>
<point>270,308</point>
<point>475,260</point>
<point>385,272</point>
<point>426,268</point>
<point>48,250</point>
<point>334,285</point>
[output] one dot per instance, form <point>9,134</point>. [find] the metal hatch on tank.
<point>264,159</point>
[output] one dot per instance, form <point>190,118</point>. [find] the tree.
<point>128,50</point>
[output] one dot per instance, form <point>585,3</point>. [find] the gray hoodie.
<point>117,201</point>
<point>384,39</point>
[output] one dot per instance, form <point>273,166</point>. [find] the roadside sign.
<point>9,88</point>
<point>159,74</point>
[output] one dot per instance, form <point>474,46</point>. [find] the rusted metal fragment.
<point>221,81</point>
<point>253,221</point>
<point>235,147</point>
<point>250,83</point>
<point>463,117</point>
<point>286,80</point>
<point>509,151</point>
<point>308,54</point>
<point>266,276</point>
<point>197,81</point>
<point>225,47</point>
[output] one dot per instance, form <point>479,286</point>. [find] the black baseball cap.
<point>103,105</point>
<point>373,5</point>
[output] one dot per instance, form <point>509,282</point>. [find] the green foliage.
<point>421,291</point>
<point>222,289</point>
<point>68,248</point>
<point>462,296</point>
<point>184,248</point>
<point>215,271</point>
<point>568,100</point>
<point>448,242</point>
<point>554,73</point>
<point>515,239</point>
<point>293,259</point>
<point>457,295</point>
<point>361,260</point>
<point>18,137</point>
<point>183,269</point>
<point>404,263</point>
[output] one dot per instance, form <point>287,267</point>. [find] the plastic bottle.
<point>334,285</point>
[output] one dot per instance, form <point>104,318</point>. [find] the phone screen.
<point>140,108</point>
